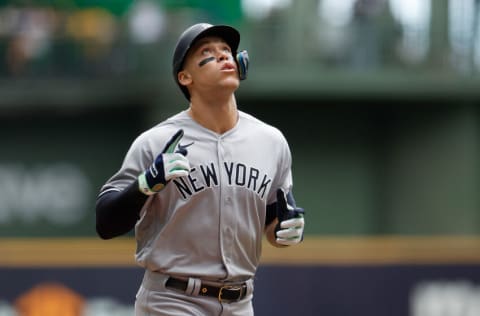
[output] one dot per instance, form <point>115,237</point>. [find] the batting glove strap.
<point>143,185</point>
<point>167,166</point>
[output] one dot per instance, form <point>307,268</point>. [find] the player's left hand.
<point>168,165</point>
<point>291,221</point>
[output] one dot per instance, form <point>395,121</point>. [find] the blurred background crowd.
<point>78,38</point>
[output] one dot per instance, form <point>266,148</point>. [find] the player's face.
<point>210,64</point>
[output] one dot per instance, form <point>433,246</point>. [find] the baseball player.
<point>202,187</point>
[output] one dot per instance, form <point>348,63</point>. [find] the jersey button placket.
<point>226,231</point>
<point>228,235</point>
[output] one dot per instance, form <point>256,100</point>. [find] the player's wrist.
<point>143,184</point>
<point>271,235</point>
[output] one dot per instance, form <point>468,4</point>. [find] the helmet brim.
<point>225,32</point>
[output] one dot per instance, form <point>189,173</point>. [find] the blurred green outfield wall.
<point>383,167</point>
<point>360,166</point>
<point>51,166</point>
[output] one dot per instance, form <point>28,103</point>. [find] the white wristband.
<point>143,185</point>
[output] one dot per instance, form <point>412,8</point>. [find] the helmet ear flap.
<point>242,62</point>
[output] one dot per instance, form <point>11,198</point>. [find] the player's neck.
<point>217,117</point>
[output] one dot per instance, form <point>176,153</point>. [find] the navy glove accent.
<point>168,165</point>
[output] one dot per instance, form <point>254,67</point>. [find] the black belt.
<point>226,293</point>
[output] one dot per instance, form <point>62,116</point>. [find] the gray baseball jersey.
<point>210,223</point>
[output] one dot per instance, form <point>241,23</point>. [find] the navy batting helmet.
<point>195,32</point>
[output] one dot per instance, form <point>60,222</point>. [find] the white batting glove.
<point>291,231</point>
<point>175,165</point>
<point>167,166</point>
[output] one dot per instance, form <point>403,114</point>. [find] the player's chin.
<point>232,82</point>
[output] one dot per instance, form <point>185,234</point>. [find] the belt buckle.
<point>230,288</point>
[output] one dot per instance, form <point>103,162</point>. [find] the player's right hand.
<point>167,166</point>
<point>291,222</point>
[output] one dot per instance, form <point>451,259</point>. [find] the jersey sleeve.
<point>283,179</point>
<point>138,158</point>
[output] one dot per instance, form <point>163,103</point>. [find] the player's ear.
<point>184,78</point>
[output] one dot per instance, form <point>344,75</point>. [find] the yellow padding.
<point>315,250</point>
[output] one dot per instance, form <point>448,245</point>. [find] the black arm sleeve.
<point>271,213</point>
<point>118,211</point>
